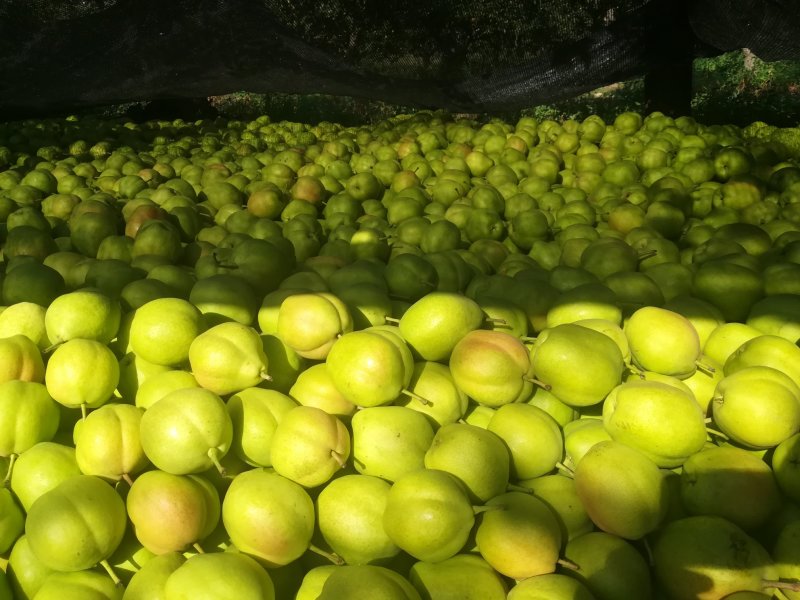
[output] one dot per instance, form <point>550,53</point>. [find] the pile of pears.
<point>424,359</point>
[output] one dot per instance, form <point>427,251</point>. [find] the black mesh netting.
<point>472,55</point>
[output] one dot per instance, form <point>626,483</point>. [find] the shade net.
<point>462,55</point>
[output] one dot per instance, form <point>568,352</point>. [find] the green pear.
<point>149,581</point>
<point>28,415</point>
<point>745,403</point>
<point>434,324</point>
<point>477,456</point>
<point>77,524</point>
<point>161,340</point>
<point>309,446</point>
<point>465,576</point>
<point>224,297</point>
<point>255,413</point>
<point>367,582</point>
<point>107,442</point>
<point>314,387</point>
<point>786,467</point>
<point>311,323</point>
<point>129,556</point>
<point>133,372</point>
<point>268,517</point>
<point>367,368</point>
<point>731,287</point>
<point>478,415</point>
<point>20,359</point>
<point>703,383</point>
<point>219,575</point>
<point>390,441</point>
<point>549,403</point>
<point>285,365</point>
<point>79,585</point>
<point>786,553</point>
<point>726,338</point>
<point>169,512</point>
<point>778,314</point>
<point>663,341</point>
<point>519,535</point>
<point>622,490</point>
<point>549,586</point>
<point>586,301</point>
<point>732,483</point>
<point>580,365</point>
<point>612,330</point>
<point>505,315</point>
<point>82,373</point>
<point>560,494</point>
<point>25,318</point>
<point>26,573</point>
<point>88,313</point>
<point>703,315</point>
<point>663,422</point>
<point>40,469</point>
<point>187,431</point>
<point>533,438</point>
<point>491,367</point>
<point>159,384</point>
<point>350,517</point>
<point>428,514</point>
<point>433,382</point>
<point>610,567</point>
<point>708,557</point>
<point>580,435</point>
<point>313,582</point>
<point>767,351</point>
<point>12,520</point>
<point>228,358</point>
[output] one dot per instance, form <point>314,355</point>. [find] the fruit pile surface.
<point>428,358</point>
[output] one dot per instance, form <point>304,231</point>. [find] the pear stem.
<point>83,411</point>
<point>265,376</point>
<point>496,321</point>
<point>127,478</point>
<point>545,386</point>
<point>649,551</point>
<point>338,458</point>
<point>526,338</point>
<point>482,509</point>
<point>11,460</point>
<point>391,320</point>
<point>647,254</point>
<point>198,548</point>
<point>705,368</point>
<point>331,556</point>
<point>416,397</point>
<point>51,347</point>
<point>568,564</point>
<point>566,470</point>
<point>213,454</point>
<point>792,586</point>
<point>512,487</point>
<point>717,433</point>
<point>110,570</point>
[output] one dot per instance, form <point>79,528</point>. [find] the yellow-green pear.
<point>255,414</point>
<point>465,576</point>
<point>533,438</point>
<point>219,575</point>
<point>663,341</point>
<point>149,581</point>
<point>548,587</point>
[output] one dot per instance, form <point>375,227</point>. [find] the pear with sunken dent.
<point>519,535</point>
<point>786,467</point>
<point>767,351</point>
<point>786,553</point>
<point>79,585</point>
<point>219,575</point>
<point>622,490</point>
<point>662,421</point>
<point>255,414</point>
<point>268,517</point>
<point>725,339</point>
<point>187,431</point>
<point>310,323</point>
<point>367,368</point>
<point>663,341</point>
<point>707,558</point>
<point>149,581</point>
<point>548,587</point>
<point>560,494</point>
<point>367,582</point>
<point>20,360</point>
<point>435,323</point>
<point>228,358</point>
<point>491,367</point>
<point>390,441</point>
<point>26,573</point>
<point>580,365</point>
<point>171,512</point>
<point>350,518</point>
<point>309,446</point>
<point>443,402</point>
<point>732,483</point>
<point>464,576</point>
<point>580,435</point>
<point>610,567</point>
<point>429,515</point>
<point>533,438</point>
<point>478,457</point>
<point>40,469</point>
<point>107,442</point>
<point>313,581</point>
<point>746,403</point>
